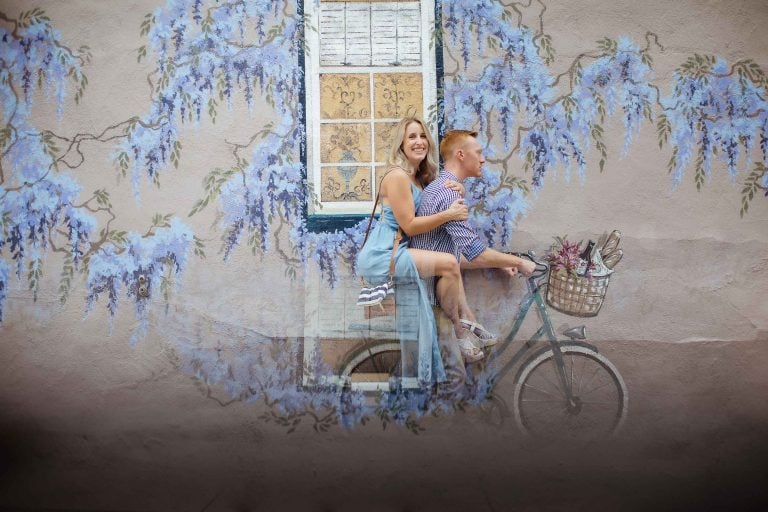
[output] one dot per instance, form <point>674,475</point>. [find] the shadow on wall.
<point>692,443</point>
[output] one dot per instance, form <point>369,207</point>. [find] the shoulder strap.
<point>395,245</point>
<point>370,219</point>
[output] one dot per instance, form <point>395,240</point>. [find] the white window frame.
<point>313,69</point>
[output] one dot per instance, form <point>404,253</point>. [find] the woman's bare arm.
<point>396,188</point>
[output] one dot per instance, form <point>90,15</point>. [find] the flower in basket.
<point>563,258</point>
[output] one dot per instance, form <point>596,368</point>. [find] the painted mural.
<point>207,55</point>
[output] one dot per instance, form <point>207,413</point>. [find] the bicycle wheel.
<point>372,365</point>
<point>369,370</point>
<point>599,404</point>
<point>494,409</point>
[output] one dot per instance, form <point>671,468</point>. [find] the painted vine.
<point>208,53</point>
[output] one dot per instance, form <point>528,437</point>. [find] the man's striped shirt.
<point>454,237</point>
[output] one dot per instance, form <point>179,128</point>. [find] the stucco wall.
<point>692,266</point>
<point>693,269</point>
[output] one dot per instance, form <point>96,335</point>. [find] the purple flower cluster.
<point>714,109</point>
<point>204,53</point>
<point>565,258</point>
<point>37,201</point>
<point>149,257</point>
<point>518,90</point>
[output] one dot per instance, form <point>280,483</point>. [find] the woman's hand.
<point>457,211</point>
<point>455,186</point>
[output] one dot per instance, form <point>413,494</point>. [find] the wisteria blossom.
<point>37,201</point>
<point>556,126</point>
<point>713,109</point>
<point>209,56</point>
<point>114,268</point>
<point>42,208</point>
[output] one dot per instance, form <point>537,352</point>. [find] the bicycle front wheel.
<point>598,403</point>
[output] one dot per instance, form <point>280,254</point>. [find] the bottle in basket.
<point>584,259</point>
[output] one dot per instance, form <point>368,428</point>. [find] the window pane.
<point>370,34</point>
<point>397,95</point>
<point>346,183</point>
<point>345,143</point>
<point>383,138</point>
<point>345,96</point>
<point>397,38</point>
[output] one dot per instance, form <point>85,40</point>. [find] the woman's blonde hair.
<point>427,170</point>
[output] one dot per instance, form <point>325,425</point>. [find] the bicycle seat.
<point>576,333</point>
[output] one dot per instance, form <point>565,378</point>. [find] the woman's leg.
<point>450,289</point>
<point>446,290</point>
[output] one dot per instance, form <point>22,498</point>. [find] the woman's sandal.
<point>485,337</point>
<point>469,349</point>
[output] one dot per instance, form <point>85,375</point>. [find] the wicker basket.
<point>577,296</point>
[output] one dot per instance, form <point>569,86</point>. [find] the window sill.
<point>320,223</point>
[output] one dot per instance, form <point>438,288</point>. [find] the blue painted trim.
<point>330,223</point>
<point>303,104</point>
<point>439,71</point>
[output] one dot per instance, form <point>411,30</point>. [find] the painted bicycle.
<point>564,387</point>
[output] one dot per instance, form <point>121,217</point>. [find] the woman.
<point>412,167</point>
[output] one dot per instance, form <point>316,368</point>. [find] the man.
<point>462,158</point>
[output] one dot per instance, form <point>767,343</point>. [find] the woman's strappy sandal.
<point>485,337</point>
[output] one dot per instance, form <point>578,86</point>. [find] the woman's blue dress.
<point>415,319</point>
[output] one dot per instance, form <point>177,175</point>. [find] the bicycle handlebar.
<point>541,267</point>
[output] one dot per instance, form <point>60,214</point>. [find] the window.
<point>369,64</point>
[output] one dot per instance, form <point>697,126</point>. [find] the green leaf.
<point>672,164</point>
<point>663,130</point>
<point>751,186</point>
<point>608,45</point>
<point>142,52</point>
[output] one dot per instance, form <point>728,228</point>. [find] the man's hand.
<point>491,258</point>
<point>526,267</point>
<point>510,271</point>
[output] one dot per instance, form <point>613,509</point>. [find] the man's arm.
<point>475,254</point>
<point>461,231</point>
<point>491,258</point>
<point>465,237</point>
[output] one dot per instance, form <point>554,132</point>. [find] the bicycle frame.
<point>568,358</point>
<point>545,330</point>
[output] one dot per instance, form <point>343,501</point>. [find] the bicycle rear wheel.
<point>373,366</point>
<point>599,404</point>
